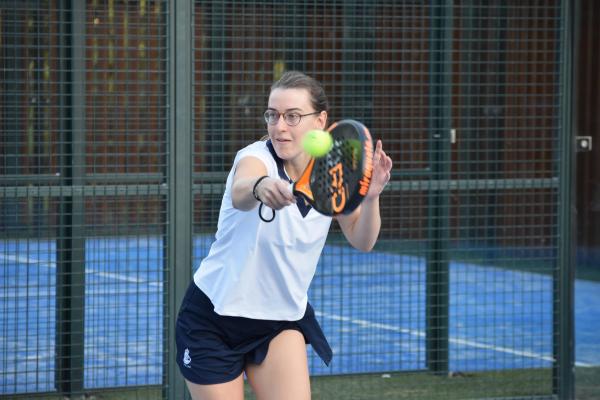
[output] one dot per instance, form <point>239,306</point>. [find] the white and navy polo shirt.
<point>263,270</point>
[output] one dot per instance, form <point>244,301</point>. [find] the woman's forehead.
<point>286,99</point>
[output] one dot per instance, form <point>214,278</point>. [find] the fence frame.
<point>179,190</point>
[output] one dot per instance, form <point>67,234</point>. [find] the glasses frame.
<point>279,115</point>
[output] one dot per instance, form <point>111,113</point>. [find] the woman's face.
<point>286,139</point>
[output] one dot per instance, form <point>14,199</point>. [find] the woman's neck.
<point>295,167</point>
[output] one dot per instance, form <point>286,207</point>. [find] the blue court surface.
<point>371,307</point>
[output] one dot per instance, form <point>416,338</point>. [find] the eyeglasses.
<point>291,118</point>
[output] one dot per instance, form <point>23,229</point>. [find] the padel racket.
<point>337,182</point>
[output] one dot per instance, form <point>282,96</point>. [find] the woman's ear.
<point>323,119</point>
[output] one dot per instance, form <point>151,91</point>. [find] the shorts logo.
<point>186,358</point>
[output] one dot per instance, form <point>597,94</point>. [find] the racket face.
<point>337,183</point>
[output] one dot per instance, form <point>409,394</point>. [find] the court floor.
<point>371,307</point>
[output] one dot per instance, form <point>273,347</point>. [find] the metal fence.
<point>120,120</point>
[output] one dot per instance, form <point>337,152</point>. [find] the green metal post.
<point>437,297</point>
<point>179,175</point>
<point>563,373</point>
<point>357,63</point>
<point>70,247</point>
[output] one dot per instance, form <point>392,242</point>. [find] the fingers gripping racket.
<point>337,182</point>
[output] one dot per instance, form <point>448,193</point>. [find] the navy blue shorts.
<point>215,349</point>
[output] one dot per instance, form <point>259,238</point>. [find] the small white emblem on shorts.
<point>186,358</point>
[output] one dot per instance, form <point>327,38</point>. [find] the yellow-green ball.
<point>317,143</point>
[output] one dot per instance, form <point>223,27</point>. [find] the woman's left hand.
<point>382,165</point>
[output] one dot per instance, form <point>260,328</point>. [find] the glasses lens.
<point>271,117</point>
<point>292,119</point>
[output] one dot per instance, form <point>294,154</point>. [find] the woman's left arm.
<point>361,227</point>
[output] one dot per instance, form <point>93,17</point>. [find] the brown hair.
<point>298,80</point>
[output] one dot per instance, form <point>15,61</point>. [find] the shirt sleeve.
<point>258,150</point>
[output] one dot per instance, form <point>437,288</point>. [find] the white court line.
<point>110,275</point>
<point>368,324</point>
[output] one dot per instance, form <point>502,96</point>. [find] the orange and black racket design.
<point>337,182</point>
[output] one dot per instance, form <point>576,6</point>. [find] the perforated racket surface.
<point>337,182</point>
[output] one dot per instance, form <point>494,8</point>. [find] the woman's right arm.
<point>273,192</point>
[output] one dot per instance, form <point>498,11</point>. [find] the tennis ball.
<point>317,142</point>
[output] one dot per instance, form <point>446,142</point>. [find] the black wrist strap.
<point>261,216</point>
<point>259,180</point>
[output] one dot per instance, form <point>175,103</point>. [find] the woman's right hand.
<point>275,193</point>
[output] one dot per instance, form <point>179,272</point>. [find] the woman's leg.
<point>229,390</point>
<point>284,372</point>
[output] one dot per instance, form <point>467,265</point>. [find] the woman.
<point>247,309</point>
